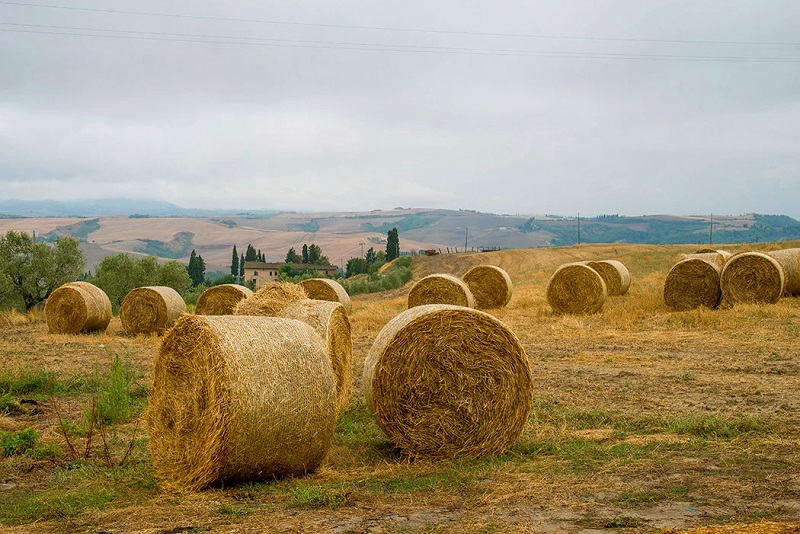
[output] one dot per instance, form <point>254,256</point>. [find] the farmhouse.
<point>262,272</point>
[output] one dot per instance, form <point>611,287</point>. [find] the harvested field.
<point>643,419</point>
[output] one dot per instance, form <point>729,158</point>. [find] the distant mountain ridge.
<point>103,208</point>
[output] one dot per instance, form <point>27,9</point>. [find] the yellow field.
<point>643,420</point>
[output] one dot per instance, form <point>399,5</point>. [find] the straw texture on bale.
<point>576,288</point>
<point>329,320</point>
<point>725,254</point>
<point>447,381</point>
<point>490,286</point>
<point>441,289</point>
<point>615,275</point>
<point>270,299</point>
<point>77,307</point>
<point>150,309</point>
<point>752,277</point>
<point>221,299</point>
<point>327,289</point>
<point>693,282</point>
<point>239,398</point>
<point>789,259</point>
<point>714,257</point>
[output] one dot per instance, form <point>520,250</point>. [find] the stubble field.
<point>643,420</point>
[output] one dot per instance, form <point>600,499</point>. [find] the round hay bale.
<point>239,398</point>
<point>221,299</point>
<point>150,309</point>
<point>692,283</point>
<point>447,381</point>
<point>725,254</point>
<point>441,289</point>
<point>576,288</point>
<point>270,299</point>
<point>789,259</point>
<point>77,307</point>
<point>752,277</point>
<point>717,258</point>
<point>329,320</point>
<point>491,286</point>
<point>615,275</point>
<point>327,289</point>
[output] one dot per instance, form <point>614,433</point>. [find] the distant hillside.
<point>342,236</point>
<point>665,230</point>
<point>99,207</point>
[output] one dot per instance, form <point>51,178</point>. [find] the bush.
<point>398,274</point>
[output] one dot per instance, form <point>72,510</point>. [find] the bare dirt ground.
<point>643,420</point>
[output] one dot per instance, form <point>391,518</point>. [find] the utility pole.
<point>465,238</point>
<point>579,228</point>
<point>711,230</point>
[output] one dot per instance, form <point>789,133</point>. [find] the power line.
<point>78,31</point>
<point>400,29</point>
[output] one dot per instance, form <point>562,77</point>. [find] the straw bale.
<point>789,259</point>
<point>693,282</point>
<point>725,254</point>
<point>491,286</point>
<point>270,299</point>
<point>221,299</point>
<point>77,307</point>
<point>441,289</point>
<point>448,381</point>
<point>329,320</point>
<point>615,275</point>
<point>576,288</point>
<point>327,289</point>
<point>239,398</point>
<point>752,277</point>
<point>150,309</point>
<point>714,257</point>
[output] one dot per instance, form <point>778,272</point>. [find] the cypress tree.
<point>235,262</point>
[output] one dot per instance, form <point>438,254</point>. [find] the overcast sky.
<point>631,107</point>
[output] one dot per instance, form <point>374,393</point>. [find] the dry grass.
<point>641,416</point>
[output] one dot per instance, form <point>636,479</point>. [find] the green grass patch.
<point>309,495</point>
<point>8,405</point>
<point>44,382</point>
<point>18,442</point>
<point>395,276</point>
<point>118,397</point>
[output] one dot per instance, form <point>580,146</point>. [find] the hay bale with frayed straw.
<point>693,282</point>
<point>490,286</point>
<point>441,289</point>
<point>789,258</point>
<point>752,277</point>
<point>77,307</point>
<point>717,258</point>
<point>270,299</point>
<point>329,320</point>
<point>615,275</point>
<point>725,254</point>
<point>327,289</point>
<point>146,310</point>
<point>447,381</point>
<point>239,398</point>
<point>576,288</point>
<point>221,299</point>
